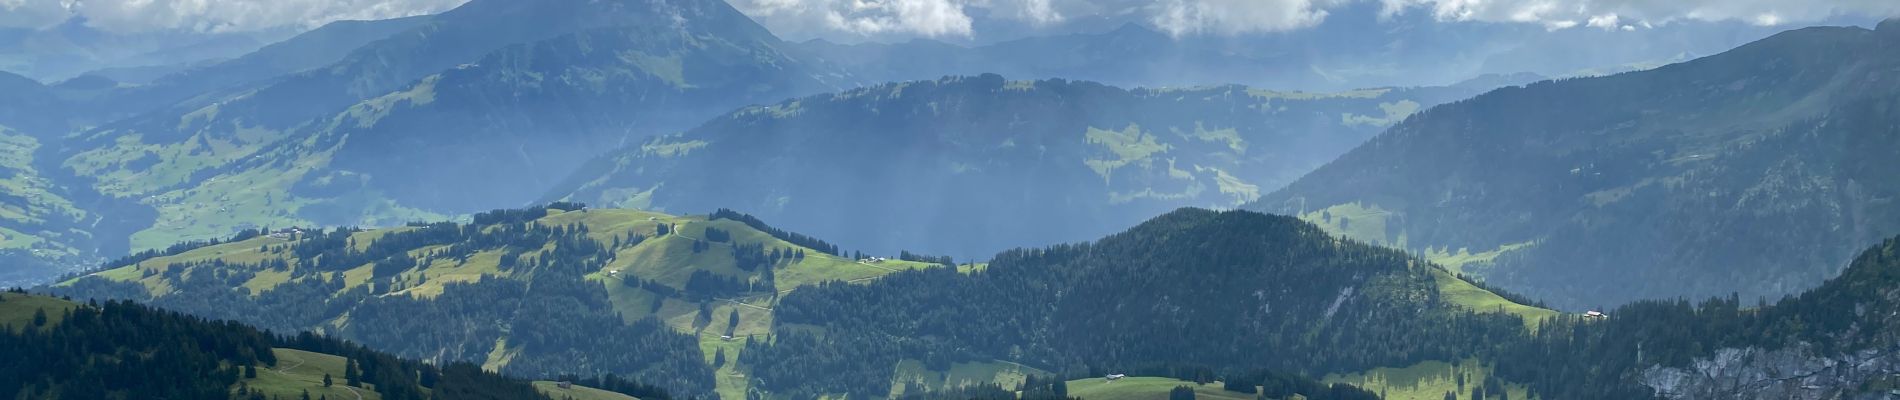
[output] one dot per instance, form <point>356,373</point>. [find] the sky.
<point>846,20</point>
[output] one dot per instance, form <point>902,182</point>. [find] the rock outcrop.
<point>1790,373</point>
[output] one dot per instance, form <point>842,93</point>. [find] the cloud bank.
<point>1634,14</point>
<point>885,19</point>
<point>133,16</point>
<point>937,18</point>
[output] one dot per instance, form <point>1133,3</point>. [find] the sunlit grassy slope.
<point>16,310</point>
<point>1002,373</point>
<point>30,206</point>
<point>553,390</point>
<point>1146,388</point>
<point>1428,380</point>
<point>298,371</point>
<point>1368,223</point>
<point>1457,291</point>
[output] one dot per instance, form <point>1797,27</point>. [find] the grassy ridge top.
<point>17,310</point>
<point>668,258</point>
<point>669,285</point>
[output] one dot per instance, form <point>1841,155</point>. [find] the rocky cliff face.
<point>1789,373</point>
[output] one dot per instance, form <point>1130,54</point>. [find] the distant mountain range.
<point>960,166</point>
<point>376,123</point>
<point>380,122</point>
<point>1359,45</point>
<point>1758,171</point>
<point>76,47</point>
<point>1503,236</point>
<point>334,140</point>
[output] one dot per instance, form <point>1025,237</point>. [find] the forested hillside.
<point>1835,341</point>
<point>968,166</point>
<point>1167,298</point>
<point>1228,293</point>
<point>57,349</point>
<point>527,292</point>
<point>1759,171</point>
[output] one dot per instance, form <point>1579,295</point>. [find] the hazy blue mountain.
<point>74,47</point>
<point>469,109</point>
<point>495,102</point>
<point>316,48</point>
<point>513,124</point>
<point>29,106</point>
<point>972,165</point>
<point>1760,170</point>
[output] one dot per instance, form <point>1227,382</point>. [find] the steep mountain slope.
<point>506,129</point>
<point>486,104</point>
<point>29,106</point>
<point>1837,341</point>
<point>63,350</point>
<point>1760,171</point>
<point>971,165</point>
<point>41,231</point>
<point>527,292</point>
<point>1224,292</point>
<point>40,226</point>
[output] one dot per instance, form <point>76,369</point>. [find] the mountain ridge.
<point>1555,170</point>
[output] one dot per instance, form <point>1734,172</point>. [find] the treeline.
<point>798,239</point>
<point>172,250</point>
<point>1508,295</point>
<point>1170,292</point>
<point>119,349</point>
<point>617,384</point>
<point>516,216</point>
<point>906,255</point>
<point>1263,385</point>
<point>753,257</point>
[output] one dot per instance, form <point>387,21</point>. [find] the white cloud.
<point>131,16</point>
<point>1040,12</point>
<point>1180,17</point>
<point>936,18</point>
<point>31,13</point>
<point>1629,14</point>
<point>861,17</point>
<point>951,18</point>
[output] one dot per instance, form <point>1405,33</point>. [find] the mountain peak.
<point>1135,30</point>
